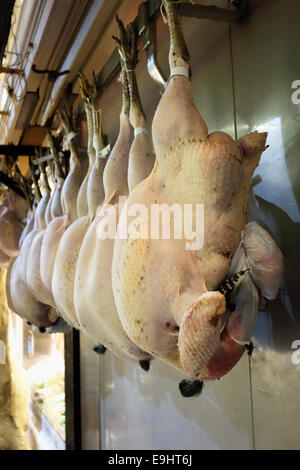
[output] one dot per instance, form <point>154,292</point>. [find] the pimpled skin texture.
<point>55,230</point>
<point>50,239</point>
<point>33,263</point>
<point>130,162</point>
<point>69,247</point>
<point>158,284</point>
<point>91,195</point>
<point>24,252</point>
<point>33,272</point>
<point>38,225</point>
<point>166,295</point>
<point>22,302</point>
<point>93,292</point>
<point>71,187</point>
<point>27,302</point>
<point>82,199</point>
<point>95,189</point>
<point>49,248</point>
<point>28,226</point>
<point>64,270</point>
<point>56,208</point>
<point>31,266</point>
<point>48,216</point>
<point>82,205</point>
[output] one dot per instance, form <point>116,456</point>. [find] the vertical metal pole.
<point>72,390</point>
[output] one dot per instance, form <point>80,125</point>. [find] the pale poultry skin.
<point>152,295</point>
<point>33,263</point>
<point>130,162</point>
<point>90,196</point>
<point>21,299</point>
<point>93,296</point>
<point>166,295</point>
<point>55,230</point>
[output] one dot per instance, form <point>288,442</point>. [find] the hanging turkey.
<point>13,211</point>
<point>69,193</point>
<point>21,298</point>
<point>129,162</point>
<point>167,296</point>
<point>91,195</point>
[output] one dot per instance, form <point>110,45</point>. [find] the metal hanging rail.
<point>11,184</point>
<point>145,22</point>
<point>25,150</point>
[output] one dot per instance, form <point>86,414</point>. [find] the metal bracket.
<point>204,12</point>
<point>147,29</point>
<point>52,74</point>
<point>11,184</point>
<point>11,71</point>
<point>146,25</point>
<point>25,150</point>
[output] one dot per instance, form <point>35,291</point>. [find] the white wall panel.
<point>266,62</point>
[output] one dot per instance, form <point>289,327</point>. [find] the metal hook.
<point>52,74</point>
<point>147,29</point>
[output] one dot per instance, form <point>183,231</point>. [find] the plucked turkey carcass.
<point>23,303</point>
<point>89,96</point>
<point>92,192</point>
<point>39,222</point>
<point>69,193</point>
<point>33,268</point>
<point>166,293</point>
<point>20,297</point>
<point>93,295</point>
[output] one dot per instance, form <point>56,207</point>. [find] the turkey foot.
<point>250,348</point>
<point>99,349</point>
<point>190,388</point>
<point>145,365</point>
<point>178,49</point>
<point>200,330</point>
<point>229,284</point>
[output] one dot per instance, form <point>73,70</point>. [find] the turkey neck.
<point>125,92</point>
<point>177,100</point>
<point>136,115</point>
<point>82,203</point>
<point>141,156</point>
<point>74,179</point>
<point>40,213</point>
<point>97,134</point>
<point>95,187</point>
<point>45,187</point>
<point>115,173</point>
